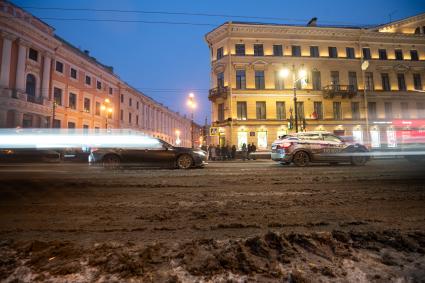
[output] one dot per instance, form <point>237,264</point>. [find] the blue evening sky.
<point>165,61</point>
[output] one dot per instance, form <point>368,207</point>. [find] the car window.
<point>331,138</point>
<point>310,137</point>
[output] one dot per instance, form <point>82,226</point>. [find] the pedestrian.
<point>213,154</point>
<point>248,151</point>
<point>253,150</point>
<point>218,152</point>
<point>228,155</point>
<point>233,153</point>
<point>244,151</point>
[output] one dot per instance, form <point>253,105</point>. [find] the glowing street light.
<point>302,75</point>
<point>105,107</point>
<point>178,141</point>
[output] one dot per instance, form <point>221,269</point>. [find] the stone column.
<point>46,76</point>
<point>20,69</point>
<point>5,60</point>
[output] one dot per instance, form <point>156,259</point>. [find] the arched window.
<point>30,86</point>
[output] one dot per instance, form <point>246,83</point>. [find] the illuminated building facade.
<point>46,82</point>
<point>252,98</point>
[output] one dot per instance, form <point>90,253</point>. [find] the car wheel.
<point>285,163</point>
<point>358,160</point>
<point>111,161</point>
<point>301,159</point>
<point>184,161</point>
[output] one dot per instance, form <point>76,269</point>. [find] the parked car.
<point>157,154</point>
<point>24,155</point>
<point>318,146</point>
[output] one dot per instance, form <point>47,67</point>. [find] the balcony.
<point>218,92</point>
<point>34,99</point>
<point>344,91</point>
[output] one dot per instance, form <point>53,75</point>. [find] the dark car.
<point>303,148</point>
<point>158,154</point>
<point>24,155</point>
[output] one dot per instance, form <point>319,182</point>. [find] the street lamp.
<point>302,74</point>
<point>192,105</point>
<point>364,67</point>
<point>178,141</point>
<point>105,107</point>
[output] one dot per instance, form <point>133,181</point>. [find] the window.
<point>88,80</point>
<point>122,98</point>
<point>314,51</point>
<point>56,123</point>
<point>99,85</point>
<point>417,83</point>
<point>369,81</point>
<point>30,85</point>
<point>219,53</point>
<point>220,109</point>
<point>97,108</point>
<point>335,79</point>
<point>404,110</point>
<point>278,81</point>
<point>398,54</point>
<point>87,105</point>
<point>137,119</point>
<point>110,90</point>
<point>337,110</point>
<point>333,52</point>
<point>420,107</point>
<point>240,79</point>
<point>277,50</point>
<point>261,110</point>
<point>388,106</point>
<point>33,54</point>
<point>259,80</point>
<point>280,110</point>
<point>366,53</point>
<point>258,50</point>
<point>355,110</point>
<point>71,125</point>
<point>401,82</point>
<point>122,115</point>
<point>59,67</point>
<point>318,110</point>
<point>296,50</point>
<point>350,52</point>
<point>129,117</point>
<point>352,80</point>
<point>331,138</point>
<point>371,109</point>
<point>240,49</point>
<point>382,54</point>
<point>385,82</point>
<point>73,73</point>
<point>57,96</point>
<point>220,80</point>
<point>137,105</point>
<point>414,55</point>
<point>241,105</point>
<point>317,84</point>
<point>72,101</point>
<point>130,102</point>
<point>300,110</point>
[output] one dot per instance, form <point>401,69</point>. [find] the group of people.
<point>217,152</point>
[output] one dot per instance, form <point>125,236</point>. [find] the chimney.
<point>312,22</point>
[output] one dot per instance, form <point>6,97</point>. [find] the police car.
<point>317,146</point>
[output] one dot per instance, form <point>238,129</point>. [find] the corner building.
<point>253,103</point>
<point>46,82</point>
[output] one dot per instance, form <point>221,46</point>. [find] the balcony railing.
<point>34,99</point>
<point>345,91</point>
<point>218,92</point>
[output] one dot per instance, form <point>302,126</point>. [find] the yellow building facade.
<point>254,67</point>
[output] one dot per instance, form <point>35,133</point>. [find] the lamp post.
<point>105,107</point>
<point>178,141</point>
<point>364,67</point>
<point>192,105</point>
<point>302,74</point>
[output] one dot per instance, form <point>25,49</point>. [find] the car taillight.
<point>284,145</point>
<point>93,149</point>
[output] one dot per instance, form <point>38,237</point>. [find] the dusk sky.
<point>167,61</point>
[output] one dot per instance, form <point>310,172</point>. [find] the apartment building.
<point>257,67</point>
<point>46,82</point>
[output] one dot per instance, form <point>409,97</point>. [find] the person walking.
<point>253,150</point>
<point>213,153</point>
<point>218,152</point>
<point>248,151</point>
<point>233,153</point>
<point>244,151</point>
